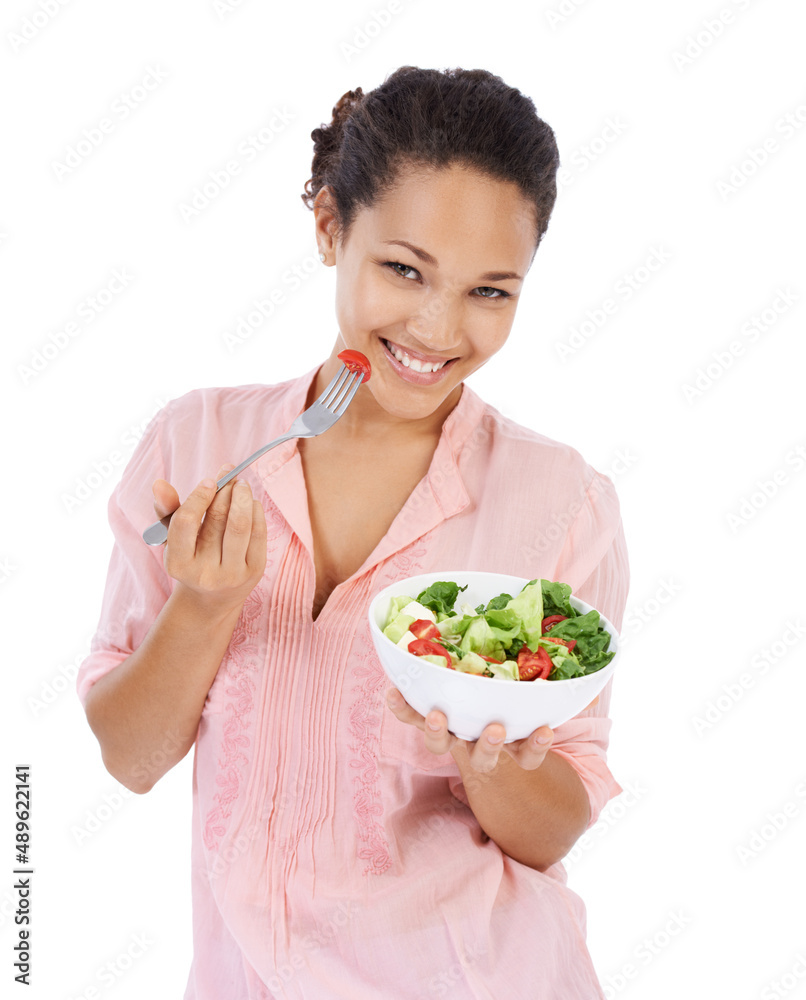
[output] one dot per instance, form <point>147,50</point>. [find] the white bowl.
<point>470,701</point>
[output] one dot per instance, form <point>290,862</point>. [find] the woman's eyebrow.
<point>428,259</point>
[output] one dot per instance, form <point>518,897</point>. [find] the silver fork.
<point>319,417</point>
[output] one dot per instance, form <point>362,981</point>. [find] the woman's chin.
<point>412,402</point>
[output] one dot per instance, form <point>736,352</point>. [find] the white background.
<point>675,906</point>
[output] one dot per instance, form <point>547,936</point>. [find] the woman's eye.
<point>394,264</point>
<point>499,293</point>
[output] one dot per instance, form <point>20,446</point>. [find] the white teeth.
<point>414,363</point>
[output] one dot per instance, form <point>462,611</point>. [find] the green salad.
<point>535,635</point>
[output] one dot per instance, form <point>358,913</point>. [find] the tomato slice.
<point>490,659</point>
<point>533,665</point>
<point>424,629</point>
<point>570,643</point>
<point>356,362</point>
<point>552,620</point>
<point>425,647</point>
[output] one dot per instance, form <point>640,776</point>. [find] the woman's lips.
<point>412,376</point>
<point>416,355</point>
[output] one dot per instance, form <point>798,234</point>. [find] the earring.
<point>322,257</point>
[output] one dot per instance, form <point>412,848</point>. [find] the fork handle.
<point>157,533</point>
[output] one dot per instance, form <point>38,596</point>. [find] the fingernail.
<point>434,727</point>
<point>544,739</point>
<point>495,739</point>
<point>208,484</point>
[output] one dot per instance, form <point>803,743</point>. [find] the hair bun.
<point>345,104</point>
<point>327,143</point>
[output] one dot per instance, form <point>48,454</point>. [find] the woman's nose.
<point>437,323</point>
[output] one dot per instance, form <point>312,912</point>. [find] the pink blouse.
<point>333,856</point>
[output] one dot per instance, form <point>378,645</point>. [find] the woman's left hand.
<point>482,753</point>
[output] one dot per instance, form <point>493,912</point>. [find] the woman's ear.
<point>325,222</point>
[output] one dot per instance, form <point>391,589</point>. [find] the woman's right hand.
<point>220,559</point>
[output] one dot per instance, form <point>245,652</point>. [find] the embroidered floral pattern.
<point>365,722</point>
<point>364,726</point>
<point>241,661</point>
<point>240,667</point>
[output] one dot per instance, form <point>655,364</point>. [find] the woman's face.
<point>430,275</point>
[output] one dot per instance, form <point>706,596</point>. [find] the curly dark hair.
<point>434,118</point>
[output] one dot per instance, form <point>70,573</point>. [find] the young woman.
<point>344,846</point>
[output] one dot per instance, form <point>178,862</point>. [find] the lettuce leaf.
<point>457,652</point>
<point>455,627</point>
<point>555,599</point>
<point>592,639</point>
<point>396,606</point>
<point>480,637</point>
<point>505,626</point>
<point>495,603</point>
<point>441,596</point>
<point>565,663</point>
<point>515,648</point>
<point>438,661</point>
<point>398,627</point>
<point>472,663</point>
<point>508,669</point>
<point>528,605</point>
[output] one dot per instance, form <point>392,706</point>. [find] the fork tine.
<point>332,385</point>
<point>328,399</point>
<point>344,389</point>
<point>348,385</point>
<point>358,379</point>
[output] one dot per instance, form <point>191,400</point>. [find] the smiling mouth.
<point>416,364</point>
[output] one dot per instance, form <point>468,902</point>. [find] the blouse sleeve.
<point>137,586</point>
<point>595,553</point>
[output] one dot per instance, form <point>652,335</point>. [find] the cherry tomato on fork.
<point>356,362</point>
